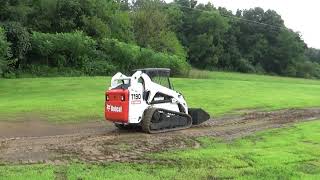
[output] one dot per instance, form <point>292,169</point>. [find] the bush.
<point>68,54</point>
<point>77,54</point>
<point>99,68</point>
<point>46,71</point>
<point>128,57</point>
<point>62,49</point>
<point>245,66</point>
<point>308,69</point>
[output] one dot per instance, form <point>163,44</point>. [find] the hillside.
<point>76,99</point>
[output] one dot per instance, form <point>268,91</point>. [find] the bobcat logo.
<point>114,108</point>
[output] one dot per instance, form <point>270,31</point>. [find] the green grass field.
<point>288,153</point>
<point>73,99</point>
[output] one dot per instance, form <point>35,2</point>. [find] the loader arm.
<point>153,89</point>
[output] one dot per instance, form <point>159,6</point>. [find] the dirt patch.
<point>100,142</point>
<point>36,128</point>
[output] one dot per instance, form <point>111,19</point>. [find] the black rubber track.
<point>147,121</point>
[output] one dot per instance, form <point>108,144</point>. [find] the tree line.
<point>100,37</point>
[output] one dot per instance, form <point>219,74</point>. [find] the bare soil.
<point>99,142</point>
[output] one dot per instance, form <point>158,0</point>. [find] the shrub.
<point>99,68</point>
<point>128,57</point>
<point>245,66</point>
<point>63,49</point>
<point>308,69</point>
<point>69,54</point>
<point>46,71</point>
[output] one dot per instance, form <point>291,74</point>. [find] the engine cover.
<point>117,105</point>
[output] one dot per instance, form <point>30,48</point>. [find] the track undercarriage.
<point>158,120</point>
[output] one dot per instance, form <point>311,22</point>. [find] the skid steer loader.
<point>147,99</point>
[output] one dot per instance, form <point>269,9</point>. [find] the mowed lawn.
<point>288,153</point>
<point>73,99</point>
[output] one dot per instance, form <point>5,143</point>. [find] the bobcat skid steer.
<point>147,99</point>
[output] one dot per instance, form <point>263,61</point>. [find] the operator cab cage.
<point>158,75</point>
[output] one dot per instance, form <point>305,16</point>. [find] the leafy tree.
<point>288,49</point>
<point>121,26</point>
<point>5,53</point>
<point>151,28</point>
<point>169,43</point>
<point>43,15</point>
<point>19,37</point>
<point>175,17</point>
<point>95,27</point>
<point>106,18</point>
<point>15,10</point>
<point>231,57</point>
<point>68,15</point>
<point>149,22</point>
<point>313,54</point>
<point>204,38</point>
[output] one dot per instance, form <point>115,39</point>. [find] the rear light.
<point>122,97</point>
<point>107,97</point>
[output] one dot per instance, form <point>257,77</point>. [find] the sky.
<point>302,16</point>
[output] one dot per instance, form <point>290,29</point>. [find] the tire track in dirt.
<point>102,143</point>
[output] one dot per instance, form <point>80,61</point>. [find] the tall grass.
<point>198,74</point>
